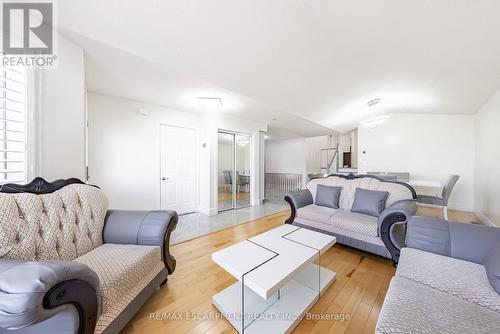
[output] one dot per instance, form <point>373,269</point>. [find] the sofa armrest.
<point>469,242</point>
<point>297,200</point>
<point>391,225</point>
<point>149,228</point>
<point>32,292</point>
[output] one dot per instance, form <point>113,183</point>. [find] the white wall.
<point>314,157</point>
<point>124,154</point>
<point>487,171</point>
<point>60,141</point>
<point>429,147</point>
<point>286,156</point>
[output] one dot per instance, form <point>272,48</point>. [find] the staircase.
<point>329,159</point>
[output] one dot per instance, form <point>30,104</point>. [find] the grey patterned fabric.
<point>316,213</point>
<point>492,266</point>
<point>355,222</point>
<point>369,202</point>
<point>363,242</point>
<point>328,196</point>
<point>123,318</point>
<point>463,279</point>
<point>123,271</point>
<point>61,225</point>
<point>449,293</point>
<point>411,307</point>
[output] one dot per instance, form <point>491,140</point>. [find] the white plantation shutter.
<point>13,124</point>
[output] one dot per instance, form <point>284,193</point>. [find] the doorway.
<point>234,178</point>
<point>178,169</point>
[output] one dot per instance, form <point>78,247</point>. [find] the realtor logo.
<point>27,28</point>
<point>28,37</point>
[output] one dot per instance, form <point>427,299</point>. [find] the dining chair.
<point>445,195</point>
<point>228,180</point>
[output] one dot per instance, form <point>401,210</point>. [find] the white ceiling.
<point>312,64</point>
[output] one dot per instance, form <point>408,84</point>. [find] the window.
<point>13,126</point>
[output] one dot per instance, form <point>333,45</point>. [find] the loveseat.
<point>356,229</point>
<point>447,280</point>
<point>70,265</point>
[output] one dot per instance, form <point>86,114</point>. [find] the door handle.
<point>164,178</point>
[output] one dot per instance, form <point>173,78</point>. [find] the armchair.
<point>70,265</point>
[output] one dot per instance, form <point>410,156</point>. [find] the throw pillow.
<point>327,196</point>
<point>369,202</point>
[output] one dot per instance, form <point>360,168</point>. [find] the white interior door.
<point>178,169</point>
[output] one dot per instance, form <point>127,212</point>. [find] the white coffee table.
<point>279,279</point>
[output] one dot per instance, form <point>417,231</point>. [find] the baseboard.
<point>451,206</point>
<point>485,220</point>
<point>208,211</point>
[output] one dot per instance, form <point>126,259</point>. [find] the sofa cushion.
<point>355,222</point>
<point>316,213</point>
<point>328,196</point>
<point>124,271</point>
<point>410,307</point>
<point>464,279</point>
<point>492,265</point>
<point>369,202</point>
<point>61,225</point>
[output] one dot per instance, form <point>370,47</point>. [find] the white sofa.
<point>351,228</point>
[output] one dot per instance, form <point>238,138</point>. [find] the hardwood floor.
<point>453,215</point>
<point>356,295</point>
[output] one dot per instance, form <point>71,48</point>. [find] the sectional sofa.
<point>447,280</point>
<point>70,265</point>
<point>357,217</point>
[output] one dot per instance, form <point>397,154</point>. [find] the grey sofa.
<point>70,265</point>
<point>355,229</point>
<point>447,280</point>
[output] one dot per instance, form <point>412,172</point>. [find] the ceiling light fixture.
<point>373,121</point>
<point>373,102</point>
<point>210,104</point>
<point>142,112</point>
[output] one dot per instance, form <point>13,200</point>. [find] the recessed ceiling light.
<point>372,123</point>
<point>210,103</point>
<point>142,112</point>
<point>373,102</point>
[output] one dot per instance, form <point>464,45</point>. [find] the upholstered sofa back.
<point>396,191</point>
<point>62,225</point>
